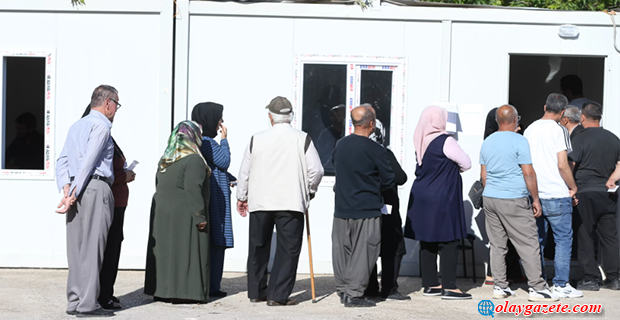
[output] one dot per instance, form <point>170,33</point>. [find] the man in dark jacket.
<point>392,240</point>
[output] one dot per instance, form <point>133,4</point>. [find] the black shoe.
<point>95,313</point>
<point>357,302</point>
<point>398,296</point>
<point>256,300</point>
<point>588,285</point>
<point>612,284</point>
<point>289,302</point>
<point>218,294</point>
<point>341,296</point>
<point>71,313</point>
<point>429,292</point>
<point>110,305</point>
<point>451,295</point>
<point>115,299</point>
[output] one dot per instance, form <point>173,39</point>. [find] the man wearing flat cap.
<point>280,172</point>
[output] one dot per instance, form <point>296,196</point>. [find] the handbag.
<point>475,194</point>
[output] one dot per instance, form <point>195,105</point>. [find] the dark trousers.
<point>449,256</point>
<point>355,249</point>
<point>216,254</point>
<point>111,256</point>
<point>392,252</point>
<point>598,213</point>
<point>289,230</point>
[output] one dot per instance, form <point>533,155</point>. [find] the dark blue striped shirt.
<point>218,159</point>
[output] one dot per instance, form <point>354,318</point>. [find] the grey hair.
<point>592,111</point>
<point>368,117</point>
<point>556,103</point>
<point>573,114</point>
<point>281,118</point>
<point>101,94</point>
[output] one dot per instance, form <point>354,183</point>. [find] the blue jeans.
<point>557,214</point>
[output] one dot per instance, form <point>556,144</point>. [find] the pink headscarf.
<point>432,124</point>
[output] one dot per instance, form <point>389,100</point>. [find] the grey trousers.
<point>356,244</point>
<point>88,223</point>
<point>513,219</point>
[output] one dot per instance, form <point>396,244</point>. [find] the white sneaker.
<point>543,295</point>
<point>499,293</point>
<point>567,292</point>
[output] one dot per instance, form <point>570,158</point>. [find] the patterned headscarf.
<point>184,140</point>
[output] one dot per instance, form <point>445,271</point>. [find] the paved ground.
<point>39,294</point>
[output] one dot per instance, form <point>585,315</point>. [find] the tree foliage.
<point>585,5</point>
<point>78,2</point>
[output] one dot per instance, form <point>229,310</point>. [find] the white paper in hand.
<point>612,190</point>
<point>133,165</point>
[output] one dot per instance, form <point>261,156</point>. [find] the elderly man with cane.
<point>280,172</point>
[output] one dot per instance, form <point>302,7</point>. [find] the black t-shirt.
<point>362,170</point>
<point>596,152</point>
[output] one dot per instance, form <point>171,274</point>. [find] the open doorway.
<point>534,77</point>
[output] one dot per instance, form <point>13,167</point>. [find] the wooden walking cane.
<point>310,256</point>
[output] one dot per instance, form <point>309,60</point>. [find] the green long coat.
<point>177,259</point>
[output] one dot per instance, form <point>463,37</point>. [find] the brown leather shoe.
<point>289,302</point>
<point>255,300</point>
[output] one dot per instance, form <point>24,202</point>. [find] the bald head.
<point>506,114</point>
<point>363,116</point>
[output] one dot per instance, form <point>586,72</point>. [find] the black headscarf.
<point>117,150</point>
<point>208,115</point>
<point>491,125</point>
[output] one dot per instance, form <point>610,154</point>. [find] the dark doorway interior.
<point>24,109</point>
<point>533,78</point>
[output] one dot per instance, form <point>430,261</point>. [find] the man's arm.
<point>483,174</point>
<point>615,176</point>
<point>567,173</point>
<point>62,170</point>
<point>98,139</point>
<point>242,182</point>
<point>532,186</point>
<point>315,169</point>
<point>386,174</point>
<point>400,176</point>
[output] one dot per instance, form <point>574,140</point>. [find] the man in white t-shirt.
<point>549,142</point>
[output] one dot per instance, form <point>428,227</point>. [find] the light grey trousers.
<point>356,244</point>
<point>88,223</point>
<point>513,219</point>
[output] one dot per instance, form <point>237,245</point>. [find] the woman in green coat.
<point>177,264</point>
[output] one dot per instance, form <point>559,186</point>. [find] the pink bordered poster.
<point>27,88</point>
<point>328,86</point>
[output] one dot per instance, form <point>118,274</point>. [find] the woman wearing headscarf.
<point>177,262</point>
<point>210,116</point>
<point>112,253</point>
<point>436,211</point>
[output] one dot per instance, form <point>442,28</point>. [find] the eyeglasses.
<point>118,105</point>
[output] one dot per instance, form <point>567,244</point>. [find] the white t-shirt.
<point>546,139</point>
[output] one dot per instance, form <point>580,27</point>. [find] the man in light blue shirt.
<point>84,173</point>
<point>509,180</point>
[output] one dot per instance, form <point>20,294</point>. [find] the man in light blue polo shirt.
<point>509,179</point>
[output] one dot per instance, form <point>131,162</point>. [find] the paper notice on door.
<point>472,118</point>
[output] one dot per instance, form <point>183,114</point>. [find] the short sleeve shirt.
<point>596,152</point>
<point>502,153</point>
<point>547,138</point>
